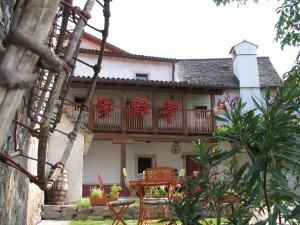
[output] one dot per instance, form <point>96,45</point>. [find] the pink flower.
<point>197,189</point>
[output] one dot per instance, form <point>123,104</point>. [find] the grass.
<point>83,202</point>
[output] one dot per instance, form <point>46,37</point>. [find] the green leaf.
<point>295,213</point>
<point>239,174</point>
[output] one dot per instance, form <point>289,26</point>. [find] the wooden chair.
<point>123,204</point>
<point>158,175</point>
<point>132,189</point>
<point>181,175</point>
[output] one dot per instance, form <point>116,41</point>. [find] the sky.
<point>194,29</point>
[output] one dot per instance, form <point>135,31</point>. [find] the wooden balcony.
<point>194,122</point>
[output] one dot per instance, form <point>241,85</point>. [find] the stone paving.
<point>53,222</point>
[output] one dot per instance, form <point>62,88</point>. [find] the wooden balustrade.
<point>198,121</point>
<point>137,122</point>
<point>175,125</point>
<point>110,121</point>
<point>73,111</point>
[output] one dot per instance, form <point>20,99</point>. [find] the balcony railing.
<point>197,121</point>
<point>73,111</point>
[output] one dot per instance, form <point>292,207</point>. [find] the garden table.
<point>155,177</point>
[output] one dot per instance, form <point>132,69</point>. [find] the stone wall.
<point>19,200</point>
<point>13,185</point>
<point>73,212</point>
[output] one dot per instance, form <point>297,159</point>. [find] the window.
<point>200,107</point>
<point>199,113</point>
<point>141,76</point>
<point>143,162</point>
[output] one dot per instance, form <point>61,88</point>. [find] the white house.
<point>123,140</point>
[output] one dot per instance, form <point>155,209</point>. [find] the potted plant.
<point>177,197</point>
<point>103,106</point>
<point>169,110</point>
<point>115,191</point>
<point>96,196</point>
<point>139,107</point>
<point>230,197</point>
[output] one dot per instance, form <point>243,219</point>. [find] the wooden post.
<point>212,105</point>
<point>154,113</point>
<point>123,111</point>
<point>123,165</point>
<point>91,116</point>
<point>184,114</point>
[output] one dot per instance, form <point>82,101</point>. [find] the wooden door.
<point>191,165</point>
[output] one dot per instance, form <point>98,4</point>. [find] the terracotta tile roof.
<point>127,55</point>
<point>214,72</point>
<point>219,71</point>
<point>152,82</point>
<point>108,46</point>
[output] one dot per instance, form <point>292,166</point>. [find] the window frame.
<point>137,156</point>
<point>145,75</point>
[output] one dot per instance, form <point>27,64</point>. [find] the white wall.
<point>198,100</point>
<point>88,44</point>
<point>246,70</point>
<point>245,64</point>
<point>104,158</point>
<point>57,144</point>
<point>125,68</point>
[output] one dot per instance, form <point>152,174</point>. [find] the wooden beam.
<point>123,165</point>
<point>154,113</point>
<point>212,105</point>
<point>184,114</point>
<point>123,141</point>
<point>91,115</point>
<point>151,137</point>
<point>156,88</point>
<point>123,111</point>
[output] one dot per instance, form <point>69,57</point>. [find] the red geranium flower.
<point>103,106</point>
<point>139,107</point>
<point>169,110</point>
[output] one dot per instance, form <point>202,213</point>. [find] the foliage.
<point>84,202</point>
<point>187,210</point>
<point>205,189</point>
<point>96,192</point>
<point>160,192</point>
<point>114,189</point>
<point>169,110</point>
<point>103,105</point>
<point>139,107</point>
<point>271,138</point>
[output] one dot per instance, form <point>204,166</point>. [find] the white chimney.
<point>246,70</point>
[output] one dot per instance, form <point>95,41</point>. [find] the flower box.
<point>231,199</point>
<point>101,201</point>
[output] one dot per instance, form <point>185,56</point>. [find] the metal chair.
<point>132,189</point>
<point>122,204</point>
<point>152,176</point>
